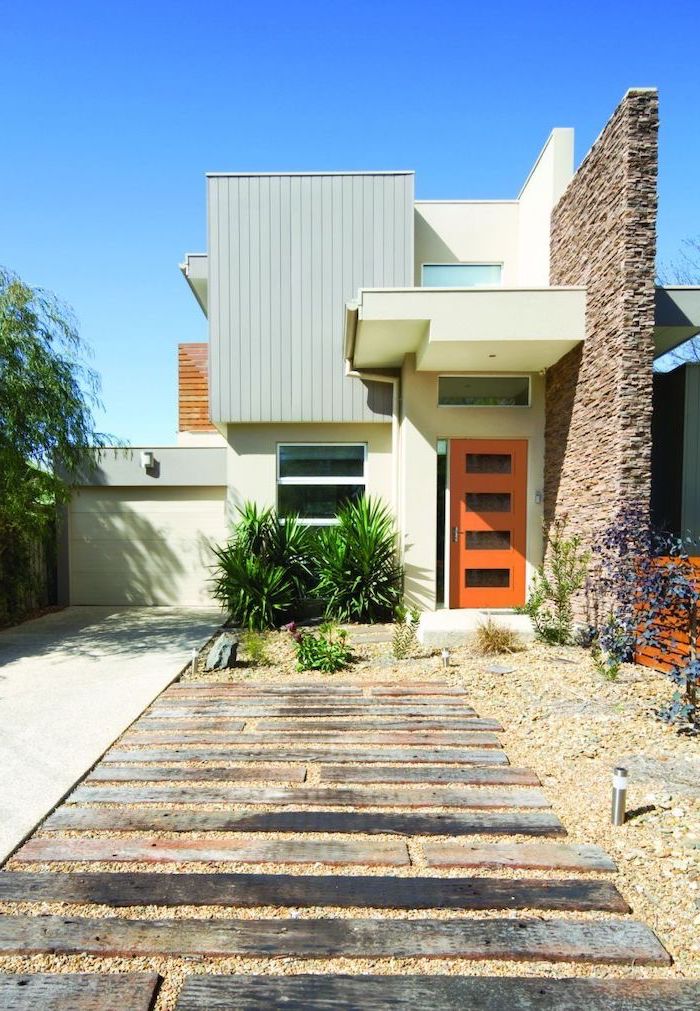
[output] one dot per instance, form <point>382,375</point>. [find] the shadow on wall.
<point>380,397</point>
<point>434,248</point>
<point>123,559</point>
<point>418,585</point>
<point>560,398</point>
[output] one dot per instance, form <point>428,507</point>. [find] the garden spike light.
<point>619,796</point>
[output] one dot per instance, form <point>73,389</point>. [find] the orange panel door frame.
<point>488,522</point>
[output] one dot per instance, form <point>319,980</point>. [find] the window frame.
<point>484,375</point>
<point>311,521</point>
<point>461,263</point>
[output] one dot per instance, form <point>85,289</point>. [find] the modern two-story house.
<point>481,366</point>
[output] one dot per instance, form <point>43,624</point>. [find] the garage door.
<point>144,546</point>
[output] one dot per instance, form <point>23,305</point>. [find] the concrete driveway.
<point>70,683</point>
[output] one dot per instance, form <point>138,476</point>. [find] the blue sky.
<point>112,113</point>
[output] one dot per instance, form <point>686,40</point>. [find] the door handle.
<point>455,535</point>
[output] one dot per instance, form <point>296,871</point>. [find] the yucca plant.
<point>264,572</point>
<point>359,574</point>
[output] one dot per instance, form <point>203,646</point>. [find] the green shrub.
<point>254,645</point>
<point>359,574</point>
<point>404,641</point>
<point>549,603</point>
<point>325,650</point>
<point>264,572</point>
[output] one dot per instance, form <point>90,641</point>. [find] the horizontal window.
<point>484,391</point>
<point>316,480</point>
<point>322,461</point>
<point>460,275</point>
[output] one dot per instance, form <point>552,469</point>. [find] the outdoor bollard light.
<point>445,657</point>
<point>619,796</point>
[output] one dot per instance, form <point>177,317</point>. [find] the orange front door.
<point>488,496</point>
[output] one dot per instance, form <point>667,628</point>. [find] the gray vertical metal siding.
<point>286,252</point>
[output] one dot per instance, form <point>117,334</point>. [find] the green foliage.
<point>492,638</point>
<point>264,572</point>
<point>359,574</point>
<point>326,650</point>
<point>549,602</point>
<point>255,647</point>
<point>47,395</point>
<point>404,642</point>
<point>609,646</point>
<point>47,430</point>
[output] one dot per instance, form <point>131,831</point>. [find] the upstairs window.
<point>315,479</point>
<point>460,275</point>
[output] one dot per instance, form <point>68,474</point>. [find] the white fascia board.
<point>441,325</point>
<point>195,270</point>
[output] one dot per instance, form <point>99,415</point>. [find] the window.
<point>315,480</point>
<point>460,275</point>
<point>484,391</point>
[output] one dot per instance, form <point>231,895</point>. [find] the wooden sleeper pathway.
<point>331,753</point>
<point>497,775</point>
<point>405,823</point>
<point>119,888</point>
<point>439,993</point>
<point>414,749</point>
<point>85,991</point>
<point>441,796</point>
<point>528,939</point>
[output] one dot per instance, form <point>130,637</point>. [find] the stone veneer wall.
<point>599,396</point>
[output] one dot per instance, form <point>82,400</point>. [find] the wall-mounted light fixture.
<point>147,458</point>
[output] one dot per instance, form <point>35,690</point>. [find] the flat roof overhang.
<point>196,272</point>
<point>677,317</point>
<point>464,329</point>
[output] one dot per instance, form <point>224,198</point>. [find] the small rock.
<point>499,668</point>
<point>223,653</point>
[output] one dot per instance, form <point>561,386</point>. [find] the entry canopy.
<point>482,329</point>
<point>677,317</point>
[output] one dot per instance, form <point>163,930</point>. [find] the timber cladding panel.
<point>599,396</point>
<point>193,388</point>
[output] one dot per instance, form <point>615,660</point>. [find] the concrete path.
<point>70,683</point>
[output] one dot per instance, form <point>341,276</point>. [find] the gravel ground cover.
<point>562,720</point>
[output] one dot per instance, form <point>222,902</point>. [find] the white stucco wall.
<point>252,458</point>
<point>514,233</point>
<point>548,179</point>
<point>200,439</point>
<point>467,231</point>
<point>422,424</point>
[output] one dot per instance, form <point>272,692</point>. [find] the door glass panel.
<point>487,577</point>
<point>488,540</point>
<point>488,502</point>
<point>488,463</point>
